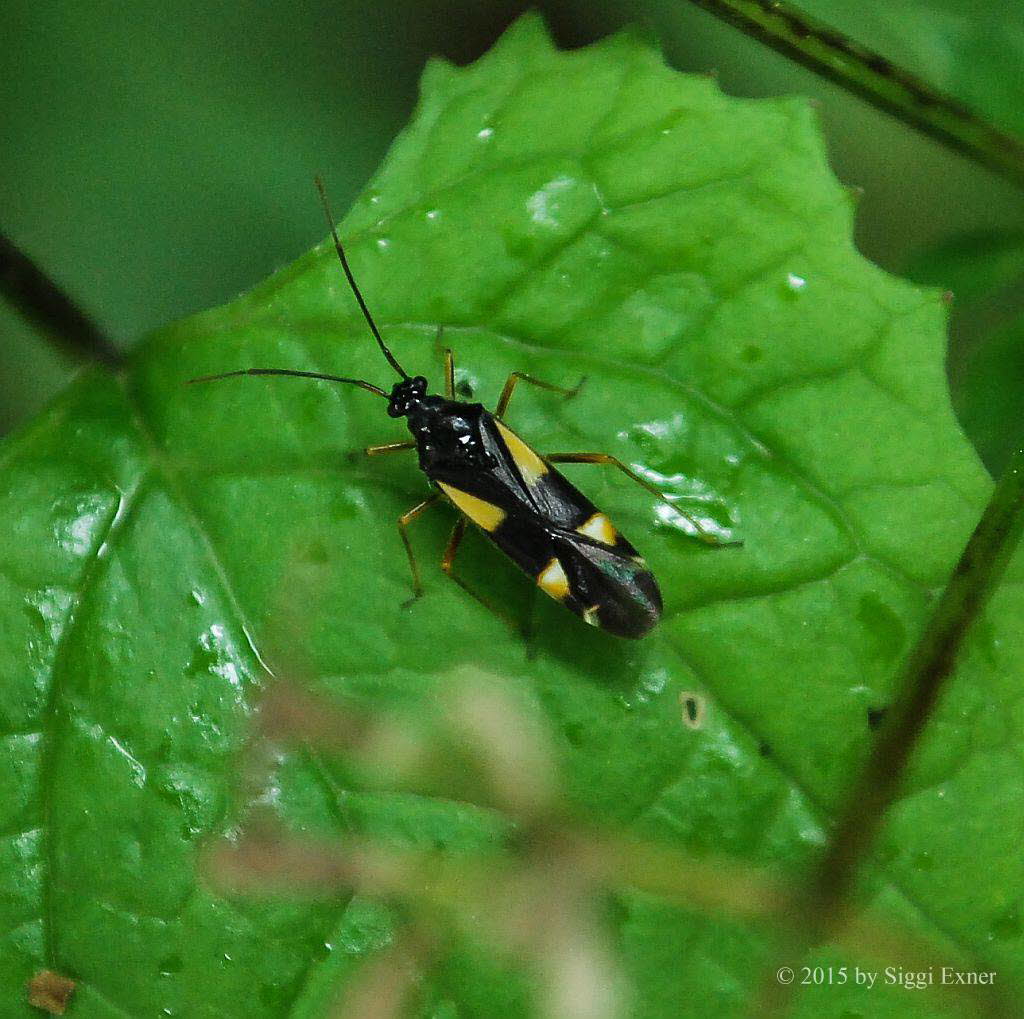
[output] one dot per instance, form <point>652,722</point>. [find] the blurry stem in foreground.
<point>825,51</point>
<point>534,899</point>
<point>45,305</point>
<point>820,909</point>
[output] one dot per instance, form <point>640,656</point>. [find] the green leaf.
<point>589,213</point>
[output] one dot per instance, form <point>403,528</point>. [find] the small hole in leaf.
<point>464,388</point>
<point>694,709</point>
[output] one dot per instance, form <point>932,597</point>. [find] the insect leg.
<point>389,447</point>
<point>448,559</point>
<point>403,522</point>
<point>448,563</point>
<point>513,380</point>
<point>449,373</point>
<point>607,460</point>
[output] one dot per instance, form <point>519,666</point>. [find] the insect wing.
<point>616,592</point>
<point>570,547</point>
<point>554,533</point>
<point>541,487</point>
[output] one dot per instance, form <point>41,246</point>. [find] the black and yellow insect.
<point>544,524</point>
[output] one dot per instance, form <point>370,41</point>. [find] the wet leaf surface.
<point>590,213</point>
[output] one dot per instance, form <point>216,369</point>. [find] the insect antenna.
<point>294,374</point>
<point>352,283</point>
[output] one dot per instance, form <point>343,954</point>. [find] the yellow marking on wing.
<point>484,514</point>
<point>600,528</point>
<point>590,615</point>
<point>531,467</point>
<point>553,581</point>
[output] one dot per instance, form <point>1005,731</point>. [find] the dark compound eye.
<point>419,384</point>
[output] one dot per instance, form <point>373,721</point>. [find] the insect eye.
<point>419,384</point>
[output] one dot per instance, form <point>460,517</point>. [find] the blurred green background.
<point>157,161</point>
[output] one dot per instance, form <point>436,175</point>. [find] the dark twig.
<point>930,663</point>
<point>874,78</point>
<point>46,306</point>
